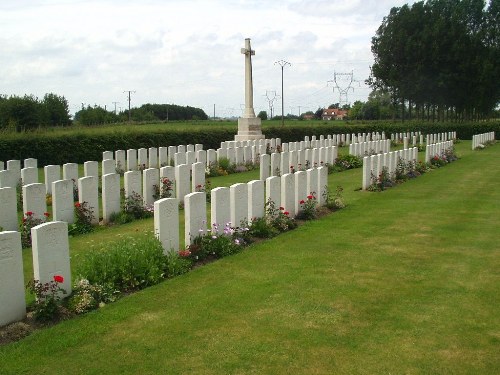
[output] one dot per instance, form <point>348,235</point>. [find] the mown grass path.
<point>400,282</point>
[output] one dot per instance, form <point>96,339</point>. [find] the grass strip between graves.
<point>403,281</point>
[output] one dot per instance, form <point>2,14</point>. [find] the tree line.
<point>24,113</point>
<point>28,112</point>
<point>147,112</point>
<point>439,59</point>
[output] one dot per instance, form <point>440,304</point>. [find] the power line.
<point>129,92</point>
<point>282,63</point>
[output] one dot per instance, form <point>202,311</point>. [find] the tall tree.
<point>440,54</point>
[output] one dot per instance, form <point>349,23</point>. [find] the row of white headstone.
<point>440,137</point>
<point>237,204</point>
<point>50,258</point>
<point>437,149</point>
<point>362,149</point>
<point>278,164</point>
<point>480,139</point>
<point>374,164</point>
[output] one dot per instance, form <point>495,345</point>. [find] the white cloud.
<point>185,52</point>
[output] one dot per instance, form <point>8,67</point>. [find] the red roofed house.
<point>333,114</point>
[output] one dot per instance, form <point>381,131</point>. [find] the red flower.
<point>184,253</point>
<point>310,197</point>
<point>286,213</point>
<point>302,202</point>
<point>58,279</point>
<point>282,208</point>
<point>46,214</point>
<point>77,204</point>
<point>29,213</point>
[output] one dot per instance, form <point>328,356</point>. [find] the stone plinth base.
<point>249,129</point>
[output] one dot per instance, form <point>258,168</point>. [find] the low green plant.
<point>84,218</point>
<point>308,207</point>
<point>278,218</point>
<point>344,162</point>
<point>134,206</point>
<point>87,297</point>
<point>29,221</point>
<point>47,298</point>
<point>261,228</point>
<point>218,242</point>
<point>334,202</point>
<point>127,264</point>
<point>164,189</point>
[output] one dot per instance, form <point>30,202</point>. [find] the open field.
<point>400,282</point>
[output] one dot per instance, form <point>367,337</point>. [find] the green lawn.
<point>400,282</point>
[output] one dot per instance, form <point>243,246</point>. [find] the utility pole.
<point>214,112</point>
<point>115,103</point>
<point>129,92</point>
<point>282,63</point>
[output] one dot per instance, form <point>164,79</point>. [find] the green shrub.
<point>127,264</point>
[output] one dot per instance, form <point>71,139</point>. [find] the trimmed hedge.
<point>77,148</point>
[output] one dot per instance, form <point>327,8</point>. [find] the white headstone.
<point>70,172</point>
<point>108,166</point>
<point>30,163</point>
<point>166,223</point>
<point>182,181</point>
<point>121,161</point>
<point>238,194</point>
<point>35,200</point>
<point>51,253</point>
<point>106,155</point>
<point>198,177</point>
<point>88,192</point>
<point>220,208</point>
<point>132,183</point>
<point>131,160</point>
<point>273,190</point>
<point>153,157</point>
<point>52,173</point>
<point>8,209</point>
<point>8,178</point>
<point>300,188</point>
<point>12,298</point>
<point>256,208</point>
<point>63,208</point>
<point>142,158</point>
<point>150,177</point>
<point>288,193</point>
<point>110,195</point>
<point>322,184</point>
<point>91,169</point>
<point>312,182</point>
<point>195,216</point>
<point>29,175</point>
<point>265,165</point>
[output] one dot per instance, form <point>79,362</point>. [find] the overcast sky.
<point>187,52</point>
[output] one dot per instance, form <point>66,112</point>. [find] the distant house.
<point>333,114</point>
<point>308,116</point>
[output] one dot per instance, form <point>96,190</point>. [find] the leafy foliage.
<point>442,54</point>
